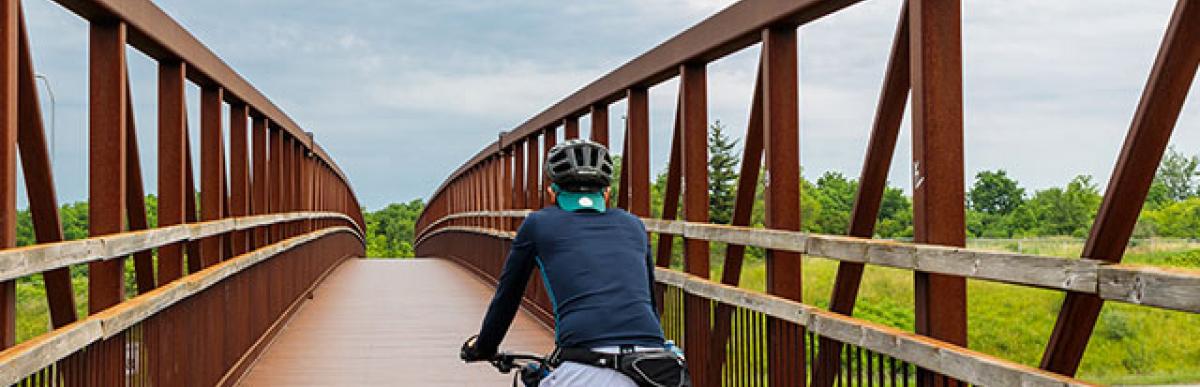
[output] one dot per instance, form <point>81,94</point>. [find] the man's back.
<point>598,274</point>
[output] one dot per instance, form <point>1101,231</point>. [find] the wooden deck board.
<point>354,333</point>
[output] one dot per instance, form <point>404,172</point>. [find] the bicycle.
<point>532,368</point>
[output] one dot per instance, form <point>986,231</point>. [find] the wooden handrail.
<point>34,259</point>
<point>40,352</point>
<point>1176,289</point>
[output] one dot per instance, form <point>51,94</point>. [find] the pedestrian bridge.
<point>260,281</point>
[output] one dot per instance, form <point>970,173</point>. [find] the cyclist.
<point>596,265</point>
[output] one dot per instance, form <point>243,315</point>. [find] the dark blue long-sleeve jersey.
<point>597,271</point>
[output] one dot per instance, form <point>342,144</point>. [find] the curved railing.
<point>228,260</point>
<point>736,337</point>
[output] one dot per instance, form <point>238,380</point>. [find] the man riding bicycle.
<point>597,269</point>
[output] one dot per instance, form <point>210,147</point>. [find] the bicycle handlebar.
<point>506,361</point>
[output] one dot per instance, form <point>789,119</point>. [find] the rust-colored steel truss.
<point>290,183</point>
<point>728,344</point>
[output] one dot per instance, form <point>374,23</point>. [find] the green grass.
<point>1131,344</point>
<point>33,314</point>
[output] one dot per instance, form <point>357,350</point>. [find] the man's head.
<point>581,172</point>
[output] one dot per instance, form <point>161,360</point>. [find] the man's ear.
<point>607,194</point>
<point>551,195</point>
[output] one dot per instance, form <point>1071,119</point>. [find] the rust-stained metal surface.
<point>390,323</point>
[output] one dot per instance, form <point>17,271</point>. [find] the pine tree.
<point>722,175</point>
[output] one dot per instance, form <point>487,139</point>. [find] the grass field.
<point>1131,344</point>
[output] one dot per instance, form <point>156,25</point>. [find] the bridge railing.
<point>465,218</point>
<point>227,261</point>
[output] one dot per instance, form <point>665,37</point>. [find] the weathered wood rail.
<point>1168,288</point>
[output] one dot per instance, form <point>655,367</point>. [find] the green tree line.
<point>997,204</point>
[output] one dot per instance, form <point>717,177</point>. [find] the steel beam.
<point>600,123</point>
<point>532,174</point>
<point>135,200</point>
<point>781,128</point>
<point>694,133</point>
<point>106,155</point>
<point>107,100</point>
<point>259,204</point>
<point>39,185</point>
<point>670,209</point>
<point>275,177</point>
<point>571,128</point>
<point>9,85</point>
<point>549,140</point>
<point>190,215</point>
<point>871,186</point>
<point>239,172</point>
<point>1157,114</point>
<point>622,193</point>
<point>938,199</point>
<point>212,162</point>
<point>172,170</point>
<point>743,209</point>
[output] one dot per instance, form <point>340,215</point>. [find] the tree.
<point>1178,175</point>
<point>835,193</point>
<point>615,187</point>
<point>390,229</point>
<point>994,193</point>
<point>895,215</point>
<point>1066,211</point>
<point>1176,220</point>
<point>722,174</point>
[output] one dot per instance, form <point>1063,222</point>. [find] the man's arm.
<point>511,287</point>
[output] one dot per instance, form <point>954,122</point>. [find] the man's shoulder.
<point>627,216</point>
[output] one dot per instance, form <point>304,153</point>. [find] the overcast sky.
<point>402,92</point>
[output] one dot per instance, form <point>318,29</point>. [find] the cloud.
<point>402,92</point>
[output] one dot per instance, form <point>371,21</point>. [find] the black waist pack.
<point>659,368</point>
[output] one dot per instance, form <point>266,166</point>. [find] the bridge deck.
<point>389,322</point>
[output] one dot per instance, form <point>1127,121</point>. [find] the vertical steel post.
<point>548,142</point>
<point>212,161</point>
<point>9,42</point>
<point>532,174</point>
<point>194,262</point>
<point>519,176</point>
<point>172,151</point>
<point>938,198</point>
<point>239,172</point>
<point>781,128</point>
<point>106,184</point>
<point>600,123</point>
<point>623,188</point>
<point>275,176</point>
<point>260,179</point>
<point>637,161</point>
<point>571,128</point>
<point>106,190</point>
<point>694,130</point>
<point>507,187</point>
<point>1157,114</point>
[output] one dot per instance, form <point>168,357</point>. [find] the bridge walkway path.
<point>390,323</point>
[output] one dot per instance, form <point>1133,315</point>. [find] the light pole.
<point>53,115</point>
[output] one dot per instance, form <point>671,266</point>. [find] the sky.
<point>400,93</point>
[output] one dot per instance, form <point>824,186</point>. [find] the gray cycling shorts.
<point>571,374</point>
